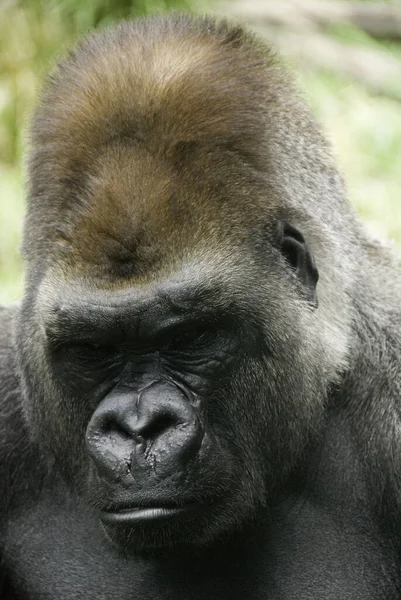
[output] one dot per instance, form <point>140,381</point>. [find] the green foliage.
<point>366,134</point>
<point>32,33</point>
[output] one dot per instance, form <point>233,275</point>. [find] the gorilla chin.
<point>153,526</point>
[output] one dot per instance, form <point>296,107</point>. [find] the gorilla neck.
<point>370,394</point>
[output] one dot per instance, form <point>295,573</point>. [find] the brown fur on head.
<point>149,136</point>
<point>178,139</point>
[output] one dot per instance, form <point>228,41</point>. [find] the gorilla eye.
<point>91,347</point>
<point>86,351</point>
<point>185,340</point>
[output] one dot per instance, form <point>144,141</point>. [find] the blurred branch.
<point>375,18</point>
<point>379,20</point>
<point>377,71</point>
<point>294,26</point>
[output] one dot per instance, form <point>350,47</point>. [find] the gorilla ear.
<point>300,258</point>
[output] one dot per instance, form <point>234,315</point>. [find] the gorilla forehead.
<point>133,207</point>
<point>177,108</point>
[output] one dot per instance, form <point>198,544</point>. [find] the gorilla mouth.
<point>136,514</point>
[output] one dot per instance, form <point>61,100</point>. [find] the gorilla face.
<point>175,363</point>
<point>178,407</point>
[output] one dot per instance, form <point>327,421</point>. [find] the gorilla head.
<point>177,351</point>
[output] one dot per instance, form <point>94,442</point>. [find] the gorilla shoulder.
<point>8,366</point>
<point>12,426</point>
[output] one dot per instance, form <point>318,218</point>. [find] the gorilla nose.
<point>156,428</point>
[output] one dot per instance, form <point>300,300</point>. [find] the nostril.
<point>109,425</point>
<point>125,427</point>
<point>113,426</point>
<point>157,426</point>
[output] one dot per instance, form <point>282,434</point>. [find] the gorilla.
<point>201,388</point>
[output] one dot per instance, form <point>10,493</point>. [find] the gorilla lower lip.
<point>139,513</point>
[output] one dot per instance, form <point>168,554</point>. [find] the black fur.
<point>195,279</point>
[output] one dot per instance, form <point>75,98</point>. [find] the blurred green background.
<point>360,110</point>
